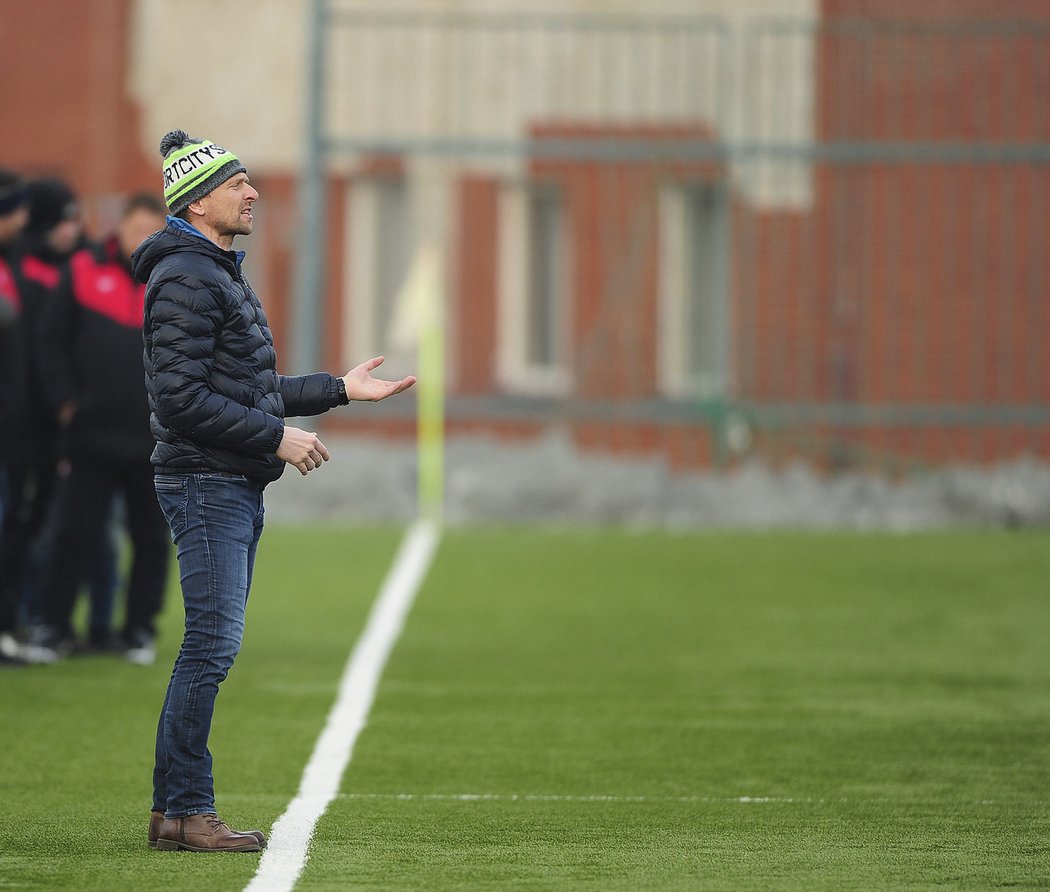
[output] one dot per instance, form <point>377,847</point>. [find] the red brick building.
<point>888,305</point>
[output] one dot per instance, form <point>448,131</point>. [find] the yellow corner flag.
<point>419,321</point>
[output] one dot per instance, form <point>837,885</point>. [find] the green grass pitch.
<point>587,709</point>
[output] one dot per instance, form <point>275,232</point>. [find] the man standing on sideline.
<point>218,407</point>
<point>13,216</point>
<point>52,232</point>
<point>91,349</point>
<point>55,231</point>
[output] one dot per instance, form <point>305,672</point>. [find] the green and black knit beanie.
<point>193,167</point>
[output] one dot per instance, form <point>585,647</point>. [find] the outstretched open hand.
<point>360,385</point>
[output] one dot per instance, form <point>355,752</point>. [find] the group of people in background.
<point>76,481</point>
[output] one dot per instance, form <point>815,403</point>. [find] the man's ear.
<point>196,208</point>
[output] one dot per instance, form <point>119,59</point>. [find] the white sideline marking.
<point>598,797</point>
<point>284,859</point>
<point>550,797</point>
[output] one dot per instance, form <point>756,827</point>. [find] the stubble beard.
<point>239,226</point>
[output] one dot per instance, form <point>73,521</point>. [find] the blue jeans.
<point>216,521</point>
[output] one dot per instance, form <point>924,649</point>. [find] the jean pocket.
<point>172,496</point>
<point>169,482</point>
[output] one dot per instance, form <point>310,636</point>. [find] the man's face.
<point>136,227</point>
<point>228,207</point>
<point>64,236</point>
<point>12,223</point>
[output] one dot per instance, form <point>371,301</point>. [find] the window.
<point>534,290</point>
<point>695,332</point>
<point>380,248</point>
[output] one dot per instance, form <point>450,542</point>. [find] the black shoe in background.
<point>47,644</point>
<point>140,647</point>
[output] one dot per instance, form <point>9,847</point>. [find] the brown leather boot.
<point>203,833</point>
<point>157,817</point>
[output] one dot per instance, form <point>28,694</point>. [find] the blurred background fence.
<point>703,238</point>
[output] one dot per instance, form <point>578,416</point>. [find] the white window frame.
<point>515,371</point>
<point>360,340</point>
<point>678,275</point>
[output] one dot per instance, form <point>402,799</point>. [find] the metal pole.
<point>308,298</point>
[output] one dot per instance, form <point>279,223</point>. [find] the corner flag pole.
<point>431,401</point>
<point>419,323</point>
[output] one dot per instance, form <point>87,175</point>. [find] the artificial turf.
<point>590,709</point>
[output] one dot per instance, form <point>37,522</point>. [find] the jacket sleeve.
<point>183,321</point>
<point>56,330</point>
<point>310,394</point>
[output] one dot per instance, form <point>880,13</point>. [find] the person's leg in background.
<point>81,514</point>
<point>29,493</point>
<point>103,580</point>
<point>150,557</point>
<point>10,650</point>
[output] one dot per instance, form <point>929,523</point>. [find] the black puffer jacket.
<point>216,400</point>
<point>10,353</point>
<point>32,432</point>
<point>90,355</point>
